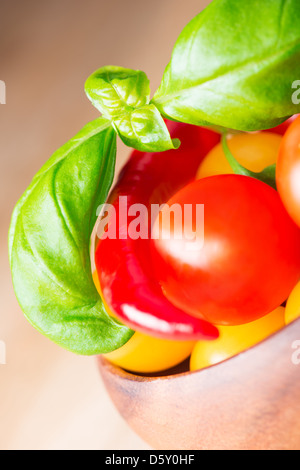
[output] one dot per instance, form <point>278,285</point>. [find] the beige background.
<point>50,398</point>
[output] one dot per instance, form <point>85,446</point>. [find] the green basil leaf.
<point>49,244</point>
<point>123,96</point>
<point>114,90</point>
<point>234,65</point>
<point>144,129</point>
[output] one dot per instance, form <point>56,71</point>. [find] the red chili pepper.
<point>127,280</point>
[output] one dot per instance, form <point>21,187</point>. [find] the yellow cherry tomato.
<point>254,151</point>
<point>146,354</point>
<point>292,311</point>
<point>235,339</point>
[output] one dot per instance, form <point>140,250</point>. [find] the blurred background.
<point>50,398</point>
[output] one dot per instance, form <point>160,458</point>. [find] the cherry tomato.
<point>292,311</point>
<point>288,171</point>
<point>248,262</point>
<point>146,354</point>
<point>254,151</point>
<point>235,339</point>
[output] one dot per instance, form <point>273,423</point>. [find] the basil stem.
<point>268,175</point>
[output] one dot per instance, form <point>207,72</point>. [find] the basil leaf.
<point>49,244</point>
<point>123,96</point>
<point>144,129</point>
<point>233,66</point>
<point>115,91</point>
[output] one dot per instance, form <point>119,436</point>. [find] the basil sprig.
<point>49,244</point>
<point>123,96</point>
<point>234,65</point>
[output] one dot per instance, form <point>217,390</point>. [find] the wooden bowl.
<point>248,402</point>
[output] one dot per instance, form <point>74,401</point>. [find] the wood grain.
<point>249,402</point>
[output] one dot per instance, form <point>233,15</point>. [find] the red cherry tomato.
<point>288,171</point>
<point>249,261</point>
